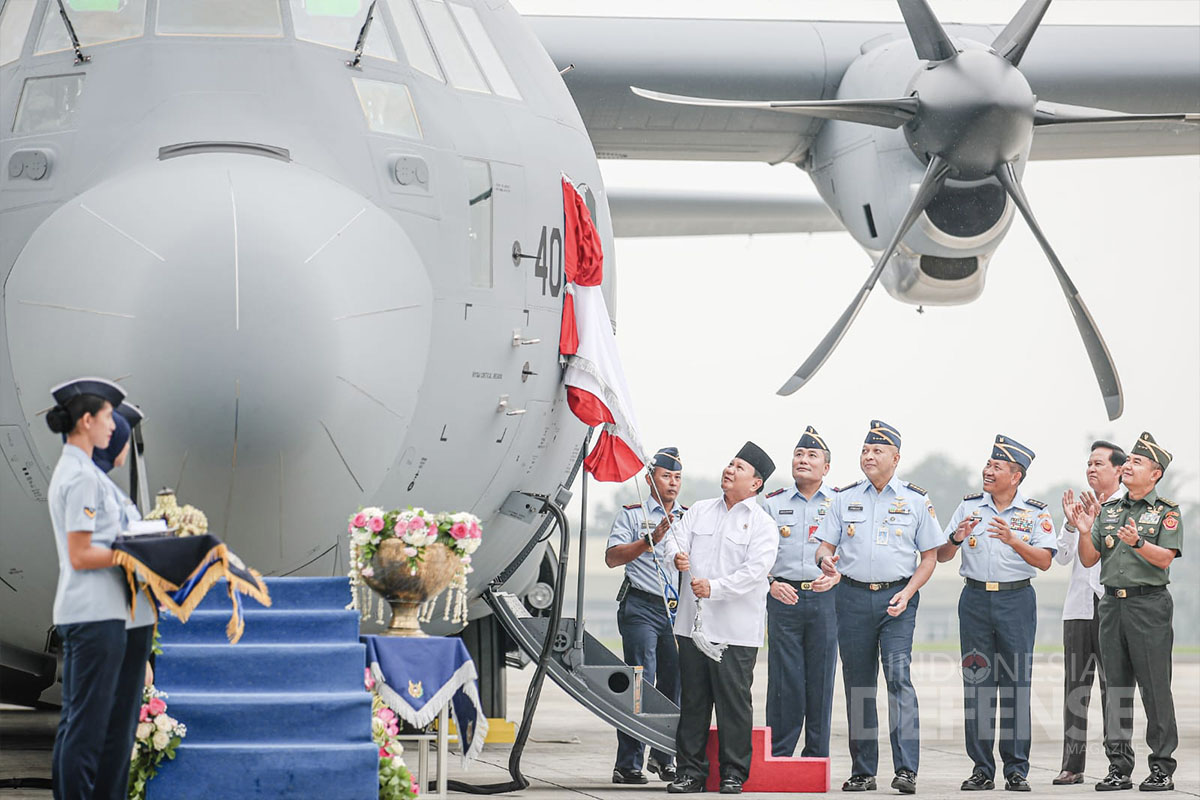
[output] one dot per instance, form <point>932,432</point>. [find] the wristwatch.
<point>952,540</point>
<point>1138,544</point>
<point>648,538</point>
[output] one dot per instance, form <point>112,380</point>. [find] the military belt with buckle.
<point>1132,591</point>
<point>875,587</point>
<point>804,586</point>
<point>997,586</point>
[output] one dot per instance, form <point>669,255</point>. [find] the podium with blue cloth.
<point>428,678</point>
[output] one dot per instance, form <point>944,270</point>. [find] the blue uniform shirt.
<point>80,499</point>
<point>988,559</point>
<point>879,536</point>
<point>798,519</point>
<point>633,522</point>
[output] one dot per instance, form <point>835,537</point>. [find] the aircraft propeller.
<point>970,116</point>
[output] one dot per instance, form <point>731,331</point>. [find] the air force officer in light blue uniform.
<point>886,535</point>
<point>1005,538</point>
<point>801,619</point>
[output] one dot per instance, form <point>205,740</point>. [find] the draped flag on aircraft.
<point>596,388</point>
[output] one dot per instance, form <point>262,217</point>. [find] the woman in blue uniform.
<point>90,603</point>
<point>112,781</point>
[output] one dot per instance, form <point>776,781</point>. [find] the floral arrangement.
<point>395,780</point>
<point>418,529</point>
<point>186,520</point>
<point>158,734</point>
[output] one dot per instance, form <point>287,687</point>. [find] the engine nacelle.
<point>869,175</point>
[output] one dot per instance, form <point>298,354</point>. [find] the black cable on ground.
<point>534,693</point>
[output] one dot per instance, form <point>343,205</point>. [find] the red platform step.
<point>768,773</point>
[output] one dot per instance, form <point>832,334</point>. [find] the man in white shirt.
<point>726,547</point>
<point>1081,623</point>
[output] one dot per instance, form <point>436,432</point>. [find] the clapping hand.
<point>1129,534</point>
<point>999,529</point>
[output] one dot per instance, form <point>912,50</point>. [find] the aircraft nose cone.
<point>274,325</point>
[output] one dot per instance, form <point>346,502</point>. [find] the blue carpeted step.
<point>301,718</point>
<point>261,667</point>
<point>327,772</point>
<point>263,625</point>
<point>327,593</point>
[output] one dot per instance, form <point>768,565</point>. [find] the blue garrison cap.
<point>1007,448</point>
<point>132,414</point>
<point>65,392</point>
<point>811,439</point>
<point>104,459</point>
<point>668,459</point>
<point>882,433</point>
<point>756,457</point>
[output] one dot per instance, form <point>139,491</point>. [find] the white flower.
<point>161,740</point>
<point>133,755</point>
<point>373,511</point>
<point>144,729</point>
<point>164,722</point>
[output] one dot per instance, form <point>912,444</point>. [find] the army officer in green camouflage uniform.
<point>1135,538</point>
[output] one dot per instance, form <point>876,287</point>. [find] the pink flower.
<point>386,714</point>
<point>156,706</point>
<point>416,523</point>
<point>383,753</point>
<point>459,530</point>
<point>368,678</point>
<point>410,552</point>
<point>476,533</point>
<point>350,527</point>
<point>376,524</point>
<point>432,532</point>
<point>416,788</point>
<point>144,714</point>
<point>360,519</point>
<point>399,528</point>
<point>367,572</point>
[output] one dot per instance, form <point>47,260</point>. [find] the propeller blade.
<point>885,113</point>
<point>1012,41</point>
<point>1047,113</point>
<point>935,176</point>
<point>928,36</point>
<point>1102,363</point>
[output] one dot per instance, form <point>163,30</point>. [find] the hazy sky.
<point>710,327</point>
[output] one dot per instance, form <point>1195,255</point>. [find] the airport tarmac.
<point>570,752</point>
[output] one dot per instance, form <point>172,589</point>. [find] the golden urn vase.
<point>405,588</point>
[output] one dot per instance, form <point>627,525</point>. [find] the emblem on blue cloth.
<point>415,689</point>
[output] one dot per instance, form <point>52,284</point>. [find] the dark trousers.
<point>867,637</point>
<point>996,632</point>
<point>801,664</point>
<point>1082,664</point>
<point>112,780</point>
<point>92,657</point>
<point>647,640</point>
<point>1136,639</point>
<point>725,685</point>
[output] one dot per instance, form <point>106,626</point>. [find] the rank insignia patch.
<point>1047,526</point>
<point>1171,522</point>
<point>90,513</point>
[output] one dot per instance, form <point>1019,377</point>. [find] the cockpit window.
<point>451,47</point>
<point>388,108</point>
<point>95,22</point>
<point>14,24</point>
<point>336,23</point>
<point>493,66</point>
<point>48,104</point>
<point>250,18</point>
<point>413,39</point>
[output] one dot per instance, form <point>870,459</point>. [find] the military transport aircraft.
<point>320,241</point>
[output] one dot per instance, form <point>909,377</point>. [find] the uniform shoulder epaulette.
<point>847,486</point>
<point>1116,498</point>
<point>1035,503</point>
<point>777,492</point>
<point>916,488</point>
<point>1168,503</point>
<point>683,508</point>
<point>632,506</point>
<point>976,496</point>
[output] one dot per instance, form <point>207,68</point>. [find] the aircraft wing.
<point>681,212</point>
<point>1137,69</point>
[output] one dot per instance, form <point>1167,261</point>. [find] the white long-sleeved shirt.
<point>733,548</point>
<point>1084,583</point>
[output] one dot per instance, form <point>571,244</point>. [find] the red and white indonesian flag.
<point>596,389</point>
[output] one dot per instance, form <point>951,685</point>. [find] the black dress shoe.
<point>731,785</point>
<point>978,782</point>
<point>859,783</point>
<point>905,781</point>
<point>1067,778</point>
<point>1114,781</point>
<point>1159,781</point>
<point>1015,782</point>
<point>686,785</point>
<point>633,776</point>
<point>664,771</point>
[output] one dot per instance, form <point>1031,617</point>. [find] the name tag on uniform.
<point>785,511</point>
<point>648,525</point>
<point>1149,518</point>
<point>854,507</point>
